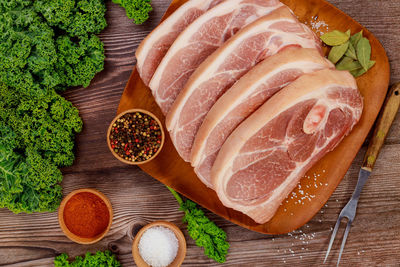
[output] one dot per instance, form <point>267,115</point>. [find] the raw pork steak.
<point>202,37</point>
<point>245,96</point>
<point>156,44</point>
<point>257,41</point>
<point>264,158</point>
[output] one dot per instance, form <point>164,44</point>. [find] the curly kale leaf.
<point>32,57</point>
<point>27,51</point>
<point>10,164</point>
<point>45,45</point>
<point>205,233</point>
<point>78,63</point>
<point>6,5</point>
<point>77,18</point>
<point>100,258</point>
<point>36,137</point>
<point>138,10</point>
<point>27,184</point>
<point>45,124</point>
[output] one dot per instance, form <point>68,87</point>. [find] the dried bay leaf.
<point>363,51</point>
<point>344,60</point>
<point>337,52</point>
<point>358,73</point>
<point>355,38</point>
<point>361,71</point>
<point>351,52</point>
<point>349,64</point>
<point>371,64</point>
<point>334,38</point>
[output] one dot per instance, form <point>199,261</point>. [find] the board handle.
<point>383,123</point>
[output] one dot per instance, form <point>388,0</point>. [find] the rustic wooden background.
<point>374,240</point>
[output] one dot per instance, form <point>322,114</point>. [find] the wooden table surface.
<point>374,240</point>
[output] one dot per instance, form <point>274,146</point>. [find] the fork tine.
<point>346,233</point>
<point>333,237</point>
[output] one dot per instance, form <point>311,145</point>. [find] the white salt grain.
<point>158,246</point>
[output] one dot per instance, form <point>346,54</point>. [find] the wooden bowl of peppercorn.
<point>135,136</point>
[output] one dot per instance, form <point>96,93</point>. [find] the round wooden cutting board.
<point>322,179</point>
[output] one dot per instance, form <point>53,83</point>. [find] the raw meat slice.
<point>264,158</point>
<point>202,37</point>
<point>257,41</point>
<point>244,97</point>
<point>153,48</point>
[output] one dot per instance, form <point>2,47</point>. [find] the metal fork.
<point>384,121</point>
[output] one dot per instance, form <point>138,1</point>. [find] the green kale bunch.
<point>138,10</point>
<point>45,124</point>
<point>50,44</point>
<point>79,62</point>
<point>100,259</point>
<point>45,46</point>
<point>205,233</point>
<point>28,183</point>
<point>36,137</point>
<point>76,17</point>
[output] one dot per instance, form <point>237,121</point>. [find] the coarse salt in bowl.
<point>158,246</point>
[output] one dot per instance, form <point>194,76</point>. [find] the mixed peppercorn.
<point>135,136</point>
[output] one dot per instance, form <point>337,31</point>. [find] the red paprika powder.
<point>86,215</point>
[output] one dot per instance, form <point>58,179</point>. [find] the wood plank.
<point>34,240</point>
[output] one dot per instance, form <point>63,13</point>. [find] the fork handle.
<point>383,123</point>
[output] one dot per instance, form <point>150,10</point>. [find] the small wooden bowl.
<point>180,256</point>
<point>74,237</point>
<point>132,111</point>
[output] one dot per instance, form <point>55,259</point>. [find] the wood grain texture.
<point>34,240</point>
<point>382,126</point>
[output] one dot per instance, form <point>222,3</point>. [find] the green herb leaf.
<point>348,32</point>
<point>45,46</point>
<point>351,52</point>
<point>138,10</point>
<point>349,64</point>
<point>100,258</point>
<point>358,73</point>
<point>50,44</point>
<point>202,230</point>
<point>371,64</point>
<point>36,137</point>
<point>334,38</point>
<point>363,50</point>
<point>337,52</point>
<point>361,71</point>
<point>355,38</point>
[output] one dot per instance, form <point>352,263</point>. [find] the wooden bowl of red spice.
<point>85,216</point>
<point>135,136</point>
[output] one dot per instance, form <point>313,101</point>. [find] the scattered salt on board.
<point>158,246</point>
